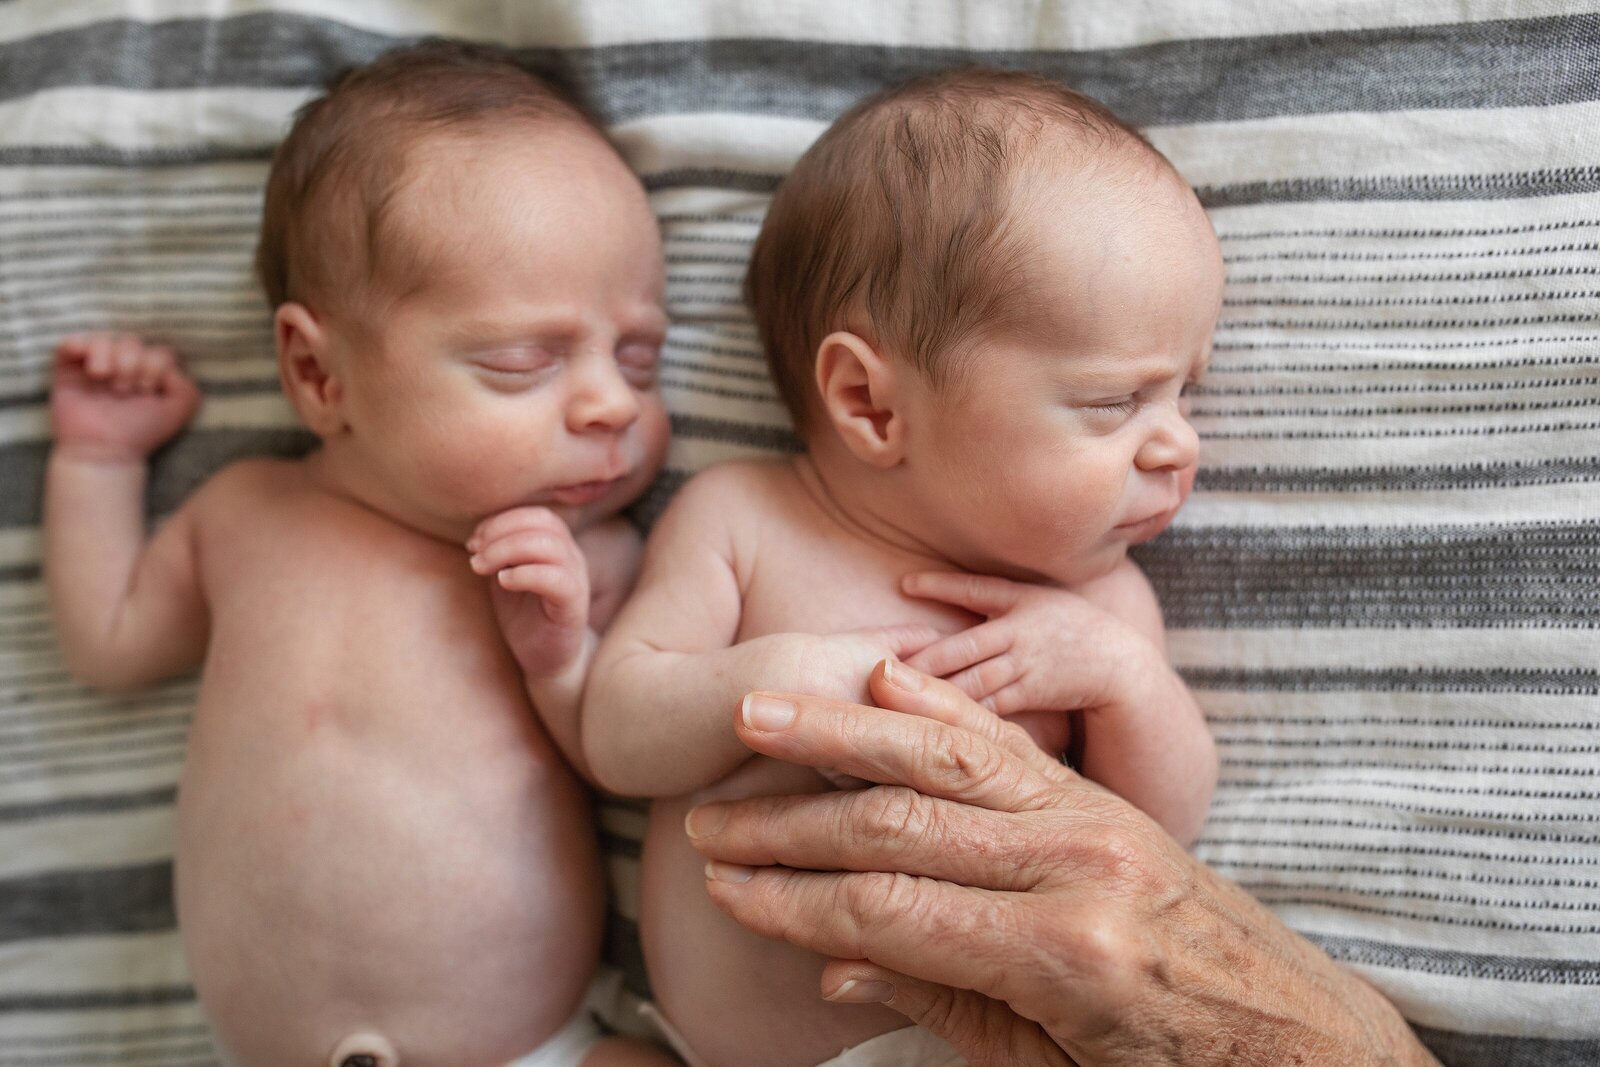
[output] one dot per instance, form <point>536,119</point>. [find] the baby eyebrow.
<point>485,333</point>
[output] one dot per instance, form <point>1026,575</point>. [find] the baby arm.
<point>541,592</point>
<point>1101,650</point>
<point>658,711</point>
<point>128,611</point>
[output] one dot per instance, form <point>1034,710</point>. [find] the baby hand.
<point>1042,649</point>
<point>837,665</point>
<point>115,397</point>
<point>540,588</point>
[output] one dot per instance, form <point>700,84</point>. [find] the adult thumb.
<point>985,1032</point>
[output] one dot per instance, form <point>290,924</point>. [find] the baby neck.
<point>869,505</point>
<point>339,473</point>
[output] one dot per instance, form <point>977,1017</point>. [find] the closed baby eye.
<point>522,363</point>
<point>639,361</point>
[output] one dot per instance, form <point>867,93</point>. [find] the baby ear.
<point>861,397</point>
<point>306,368</point>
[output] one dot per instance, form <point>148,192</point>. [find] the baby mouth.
<point>580,493</point>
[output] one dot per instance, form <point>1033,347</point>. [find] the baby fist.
<point>540,587</point>
<point>115,397</point>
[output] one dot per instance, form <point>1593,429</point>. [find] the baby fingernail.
<point>901,677</point>
<point>767,713</point>
<point>703,822</point>
<point>854,992</point>
<point>728,872</point>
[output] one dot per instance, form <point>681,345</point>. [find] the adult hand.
<point>1020,912</point>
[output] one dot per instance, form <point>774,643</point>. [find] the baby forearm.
<point>558,696</point>
<point>113,598</point>
<point>1155,752</point>
<point>660,724</point>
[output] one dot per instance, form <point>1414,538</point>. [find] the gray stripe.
<point>1495,1050</point>
<point>96,999</point>
<point>1572,682</point>
<point>1499,186</point>
<point>1459,964</point>
<point>1237,577</point>
<point>176,470</point>
<point>89,805</point>
<point>119,900</point>
<point>1396,479</point>
<point>1170,82</point>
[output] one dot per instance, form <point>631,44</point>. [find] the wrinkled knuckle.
<point>891,815</point>
<point>871,895</point>
<point>967,761</point>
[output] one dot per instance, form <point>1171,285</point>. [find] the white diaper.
<point>567,1046</point>
<point>910,1046</point>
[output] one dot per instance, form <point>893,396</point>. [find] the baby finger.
<point>962,650</point>
<point>521,546</point>
<point>523,518</point>
<point>987,678</point>
<point>565,600</point>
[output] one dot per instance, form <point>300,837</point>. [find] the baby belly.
<point>445,896</point>
<point>736,997</point>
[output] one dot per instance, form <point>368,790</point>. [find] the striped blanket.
<point>1385,591</point>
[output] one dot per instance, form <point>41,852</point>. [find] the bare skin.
<point>1018,911</point>
<point>1068,445</point>
<point>383,856</point>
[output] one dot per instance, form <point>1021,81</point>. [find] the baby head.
<point>468,291</point>
<point>982,295</point>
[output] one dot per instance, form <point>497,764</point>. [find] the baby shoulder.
<point>1126,593</point>
<point>242,484</point>
<point>723,497</point>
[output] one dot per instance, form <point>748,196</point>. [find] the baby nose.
<point>601,398</point>
<point>1173,445</point>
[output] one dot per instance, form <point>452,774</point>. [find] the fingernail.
<point>767,713</point>
<point>901,677</point>
<point>854,992</point>
<point>703,822</point>
<point>472,545</point>
<point>728,872</point>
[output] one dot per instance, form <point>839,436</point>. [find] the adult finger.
<point>887,828</point>
<point>962,649</point>
<point>986,1032</point>
<point>949,934</point>
<point>982,594</point>
<point>899,688</point>
<point>934,758</point>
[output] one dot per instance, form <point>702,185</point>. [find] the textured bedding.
<point>1385,591</point>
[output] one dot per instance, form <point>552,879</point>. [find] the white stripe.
<point>1575,502</point>
<point>1401,451</point>
<point>1474,1005</point>
<point>90,963</point>
<point>135,118</point>
<point>93,842</point>
<point>1478,141</point>
<point>1431,647</point>
<point>1029,24</point>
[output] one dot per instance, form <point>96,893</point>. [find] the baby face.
<point>1067,439</point>
<point>521,368</point>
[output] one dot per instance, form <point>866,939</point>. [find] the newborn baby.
<point>382,858</point>
<point>981,295</point>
